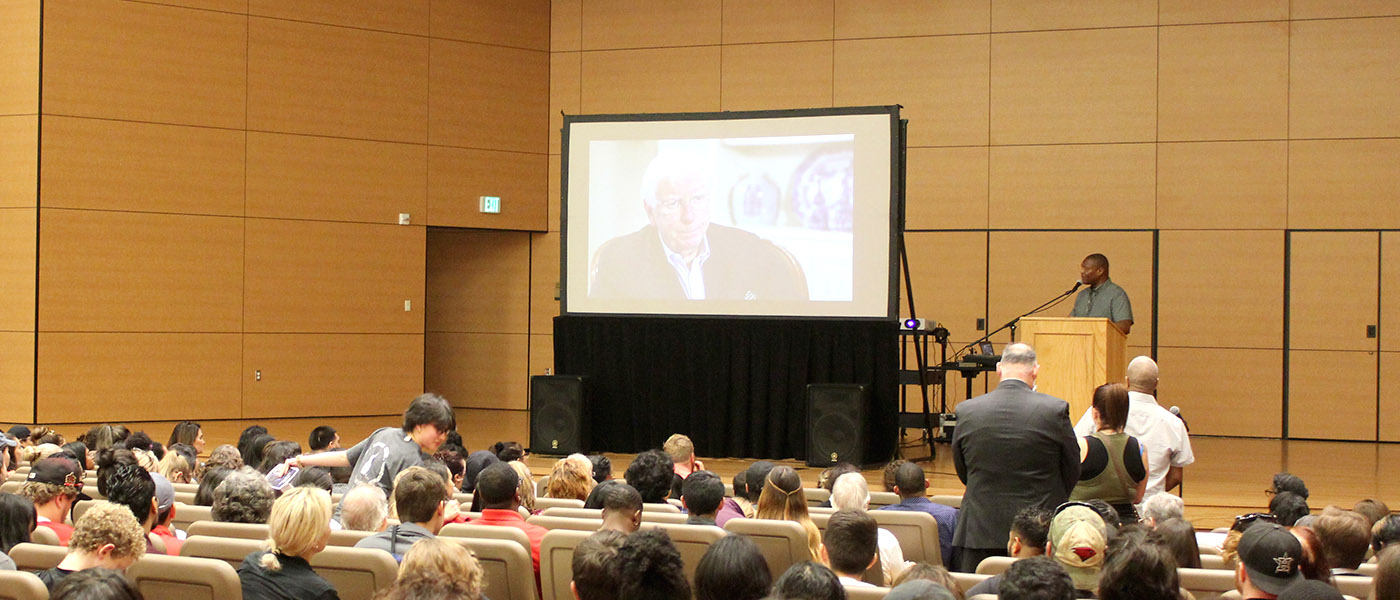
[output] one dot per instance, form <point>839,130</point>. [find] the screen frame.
<point>896,201</point>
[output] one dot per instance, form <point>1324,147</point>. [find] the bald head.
<point>1018,362</point>
<point>1142,375</point>
<point>364,508</point>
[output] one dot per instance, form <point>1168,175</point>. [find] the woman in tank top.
<point>1112,465</point>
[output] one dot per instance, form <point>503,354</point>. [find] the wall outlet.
<point>403,218</point>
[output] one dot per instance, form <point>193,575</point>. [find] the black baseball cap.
<point>60,471</point>
<point>19,431</point>
<point>1271,556</point>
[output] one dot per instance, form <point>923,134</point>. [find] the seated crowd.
<point>401,486</point>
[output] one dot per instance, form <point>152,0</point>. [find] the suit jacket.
<point>741,266</point>
<point>1013,448</point>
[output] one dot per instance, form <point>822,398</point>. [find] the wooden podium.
<point>1076,355</point>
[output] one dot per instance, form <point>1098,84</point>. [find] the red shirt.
<point>172,543</point>
<point>64,531</point>
<point>510,518</point>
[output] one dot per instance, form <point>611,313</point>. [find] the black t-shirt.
<point>51,577</point>
<point>295,580</point>
<point>1097,460</point>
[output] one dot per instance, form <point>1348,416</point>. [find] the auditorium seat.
<point>815,496</point>
<point>486,532</point>
<point>865,593</point>
<point>547,503</point>
<point>247,531</point>
<point>946,500</point>
<point>45,536</point>
<point>1368,569</point>
<point>463,499</point>
<point>540,485</point>
<point>967,580</point>
<point>36,557</point>
<point>185,497</point>
<point>507,571</point>
<point>983,597</point>
<point>11,487</point>
<point>597,513</point>
<point>691,540</point>
<point>995,565</point>
<point>158,576</point>
<point>1213,561</point>
<point>1353,585</point>
<point>357,573</point>
<point>556,562</point>
<point>553,522</point>
<point>782,543</point>
<point>1207,584</point>
<point>185,514</point>
<point>229,550</point>
<point>661,507</point>
<point>19,585</point>
<point>189,488</point>
<point>347,537</point>
<point>916,531</point>
<point>81,507</point>
<point>820,510</point>
<point>878,499</point>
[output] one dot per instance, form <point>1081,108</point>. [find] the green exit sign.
<point>491,204</point>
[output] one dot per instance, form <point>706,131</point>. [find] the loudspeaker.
<point>557,417</point>
<point>836,423</point>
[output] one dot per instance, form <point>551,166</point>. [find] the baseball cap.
<point>165,493</point>
<point>1310,589</point>
<point>59,471</point>
<point>19,431</point>
<point>8,441</point>
<point>1271,555</point>
<point>1079,538</point>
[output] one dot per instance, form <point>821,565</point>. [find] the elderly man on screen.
<point>680,254</point>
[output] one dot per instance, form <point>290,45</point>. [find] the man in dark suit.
<point>1013,448</point>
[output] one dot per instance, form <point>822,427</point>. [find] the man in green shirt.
<point>1103,298</point>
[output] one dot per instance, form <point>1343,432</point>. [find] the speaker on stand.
<point>558,423</point>
<point>836,423</point>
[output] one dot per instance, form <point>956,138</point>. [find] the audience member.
<point>649,567</point>
<point>1077,540</point>
<point>243,497</point>
<point>701,495</point>
<point>364,508</point>
<point>1163,435</point>
<point>887,475</point>
<point>8,459</point>
<point>921,589</point>
<point>1288,507</point>
<point>106,536</point>
<point>1030,532</point>
<point>622,506</point>
<point>1161,507</point>
<point>80,454</point>
<point>1312,564</point>
<point>314,477</point>
<point>498,487</point>
<point>54,485</point>
<point>593,566</point>
<point>165,515</point>
<point>782,500</point>
<point>418,497</point>
<point>1385,532</point>
<point>204,494</point>
<point>849,546</point>
<point>176,468</point>
<point>682,453</point>
<point>1268,556</point>
<point>828,478</point>
<point>808,580</point>
<point>17,522</point>
<point>96,583</point>
<point>1139,572</point>
<point>851,492</point>
<point>732,568</point>
<point>651,474</point>
<point>1013,448</point>
<point>188,433</point>
<point>1112,464</point>
<point>476,463</point>
<point>456,462</point>
<point>1373,509</point>
<point>298,529</point>
<point>730,507</point>
<point>389,450</point>
<point>245,441</point>
<point>602,467</point>
<point>509,451</point>
<point>1288,482</point>
<point>922,571</point>
<point>256,450</point>
<point>102,437</point>
<point>323,439</point>
<point>1345,537</point>
<point>568,480</point>
<point>451,510</point>
<point>276,453</point>
<point>133,487</point>
<point>1179,539</point>
<point>434,569</point>
<point>526,483</point>
<point>911,484</point>
<point>41,435</point>
<point>1036,578</point>
<point>1387,577</point>
<point>224,456</point>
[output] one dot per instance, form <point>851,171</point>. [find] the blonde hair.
<point>527,484</point>
<point>679,448</point>
<point>145,459</point>
<point>298,525</point>
<point>782,500</point>
<point>569,480</point>
<point>439,563</point>
<point>43,493</point>
<point>176,468</point>
<point>108,523</point>
<point>850,492</point>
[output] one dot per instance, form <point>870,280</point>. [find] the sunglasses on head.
<point>1243,522</point>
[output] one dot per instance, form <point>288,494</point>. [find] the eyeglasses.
<point>1243,522</point>
<point>1061,508</point>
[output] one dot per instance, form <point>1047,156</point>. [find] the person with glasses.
<point>680,254</point>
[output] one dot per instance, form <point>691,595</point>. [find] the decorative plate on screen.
<point>823,190</point>
<point>754,201</point>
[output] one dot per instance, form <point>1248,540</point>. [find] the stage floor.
<point>1228,478</point>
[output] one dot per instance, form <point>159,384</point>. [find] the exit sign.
<point>491,204</point>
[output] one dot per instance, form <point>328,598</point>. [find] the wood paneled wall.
<point>1178,135</point>
<point>218,223</point>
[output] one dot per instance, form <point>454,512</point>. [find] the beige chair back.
<point>11,487</point>
<point>782,543</point>
<point>81,508</point>
<point>1368,569</point>
<point>44,535</point>
<point>185,497</point>
<point>506,567</point>
<point>556,562</point>
<point>1207,584</point>
<point>648,515</point>
<point>983,597</point>
<point>348,537</point>
<point>691,540</point>
<point>967,580</point>
<point>866,593</point>
<point>185,514</point>
<point>486,532</point>
<point>229,550</point>
<point>463,499</point>
<point>185,488</point>
<point>247,531</point>
<point>37,557</point>
<point>542,504</point>
<point>816,496</point>
<point>1353,585</point>
<point>917,532</point>
<point>820,510</point>
<point>540,486</point>
<point>660,507</point>
<point>946,500</point>
<point>19,585</point>
<point>356,573</point>
<point>878,499</point>
<point>995,565</point>
<point>160,576</point>
<point>552,522</point>
<point>1213,561</point>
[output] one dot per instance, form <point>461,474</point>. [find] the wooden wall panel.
<point>139,272</point>
<point>758,21</point>
<point>1390,291</point>
<point>488,97</point>
<point>663,80</point>
<point>329,374</point>
<point>1389,386</point>
<point>310,277</point>
<point>1321,9</point>
<point>520,24</point>
<point>941,82</point>
<point>903,18</point>
<point>482,428</point>
<point>19,161</point>
<point>541,354</point>
<point>1028,268</point>
<point>229,6</point>
<point>1074,86</point>
<point>1222,185</point>
<point>478,281</point>
<point>398,16</point>
<point>949,272</point>
<point>776,76</point>
<point>1080,186</point>
<point>1027,15</point>
<point>120,377</point>
<point>1341,80</point>
<point>333,81</point>
<point>175,65</point>
<point>1176,12</point>
<point>1343,183</point>
<point>17,376</point>
<point>335,179</point>
<point>1332,290</point>
<point>479,370</point>
<point>565,88</point>
<point>457,178</point>
<point>118,165</point>
<point>19,57</point>
<point>1223,82</point>
<point>612,24</point>
<point>556,165</point>
<point>565,25</point>
<point>1221,289</point>
<point>946,188</point>
<point>18,256</point>
<point>544,281</point>
<point>1332,395</point>
<point>1224,391</point>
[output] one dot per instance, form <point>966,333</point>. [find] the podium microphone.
<point>1077,285</point>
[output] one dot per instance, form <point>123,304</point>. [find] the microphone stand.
<point>1012,323</point>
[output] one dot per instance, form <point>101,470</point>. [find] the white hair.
<point>668,166</point>
<point>1018,354</point>
<point>364,508</point>
<point>850,492</point>
<point>1163,506</point>
<point>583,462</point>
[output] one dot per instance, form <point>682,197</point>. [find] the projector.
<point>918,324</point>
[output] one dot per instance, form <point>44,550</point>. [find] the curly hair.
<point>107,523</point>
<point>569,480</point>
<point>651,473</point>
<point>44,493</point>
<point>243,497</point>
<point>649,566</point>
<point>225,456</point>
<point>434,568</point>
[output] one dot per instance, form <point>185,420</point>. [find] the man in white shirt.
<point>1162,434</point>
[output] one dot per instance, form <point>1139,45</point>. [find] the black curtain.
<point>737,387</point>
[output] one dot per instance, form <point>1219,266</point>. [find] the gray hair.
<point>1142,374</point>
<point>1018,354</point>
<point>1163,506</point>
<point>850,492</point>
<point>243,497</point>
<point>364,508</point>
<point>667,166</point>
